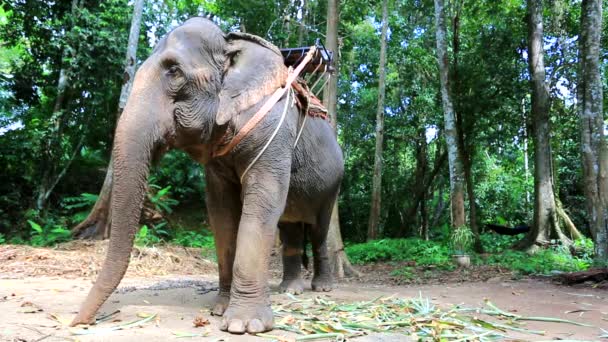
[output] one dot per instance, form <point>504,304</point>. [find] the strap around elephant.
<point>261,113</point>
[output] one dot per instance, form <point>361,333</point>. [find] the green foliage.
<point>157,235</point>
<point>145,237</point>
<point>47,235</point>
<point>490,93</point>
<point>85,200</point>
<point>461,240</point>
<point>413,249</point>
<point>2,239</point>
<point>406,273</point>
<point>82,203</point>
<point>544,262</point>
<point>160,197</point>
<point>423,253</point>
<point>193,239</point>
<point>495,243</point>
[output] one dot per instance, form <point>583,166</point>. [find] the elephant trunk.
<point>137,137</point>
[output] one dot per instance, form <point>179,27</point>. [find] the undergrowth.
<point>412,249</point>
<point>498,252</point>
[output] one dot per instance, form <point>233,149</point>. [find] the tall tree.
<point>457,178</point>
<point>593,144</point>
<point>52,153</point>
<point>97,224</point>
<point>545,225</point>
<point>465,126</point>
<point>340,264</point>
<point>374,213</point>
<point>302,27</point>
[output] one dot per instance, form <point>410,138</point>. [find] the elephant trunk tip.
<point>82,319</point>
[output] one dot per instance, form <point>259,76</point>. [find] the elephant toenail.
<point>236,326</point>
<point>255,326</point>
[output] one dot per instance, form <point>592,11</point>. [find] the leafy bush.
<point>48,235</point>
<point>494,243</point>
<point>543,262</point>
<point>438,254</point>
<point>145,237</point>
<point>193,239</point>
<point>2,239</point>
<point>82,203</point>
<point>421,251</point>
<point>160,197</point>
<point>461,240</point>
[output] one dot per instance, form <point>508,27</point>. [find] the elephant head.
<point>185,95</point>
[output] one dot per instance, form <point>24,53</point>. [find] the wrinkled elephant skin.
<point>198,86</point>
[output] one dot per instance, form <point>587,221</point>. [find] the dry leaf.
<point>30,307</point>
<point>288,320</point>
<point>200,321</point>
<point>59,319</point>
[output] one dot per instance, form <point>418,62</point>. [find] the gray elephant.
<point>196,91</point>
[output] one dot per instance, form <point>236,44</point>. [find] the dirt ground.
<point>33,306</point>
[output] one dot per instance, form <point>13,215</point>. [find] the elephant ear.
<point>253,69</point>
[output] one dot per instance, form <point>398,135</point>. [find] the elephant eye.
<point>173,70</point>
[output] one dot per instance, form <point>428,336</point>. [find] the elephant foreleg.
<point>263,203</point>
<point>224,208</point>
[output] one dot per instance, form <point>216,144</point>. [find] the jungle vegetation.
<point>450,114</point>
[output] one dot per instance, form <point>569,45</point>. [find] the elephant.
<point>198,88</point>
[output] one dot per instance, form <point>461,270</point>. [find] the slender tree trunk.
<point>451,130</point>
<point>526,157</point>
<point>423,179</point>
<point>465,131</point>
<point>302,28</point>
<point>440,207</point>
<point>374,213</point>
<point>424,215</point>
<point>590,106</point>
<point>545,224</point>
<point>419,185</point>
<point>52,152</point>
<point>341,266</point>
<point>97,224</point>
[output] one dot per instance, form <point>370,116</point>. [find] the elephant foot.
<point>252,319</point>
<point>292,286</point>
<point>221,304</point>
<point>322,284</point>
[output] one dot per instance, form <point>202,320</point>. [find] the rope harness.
<point>297,92</point>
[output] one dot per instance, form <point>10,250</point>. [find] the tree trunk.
<point>341,266</point>
<point>451,130</point>
<point>374,213</point>
<point>302,27</point>
<point>545,224</point>
<point>419,185</point>
<point>52,152</point>
<point>464,133</point>
<point>98,222</point>
<point>422,179</point>
<point>590,106</point>
<point>526,158</point>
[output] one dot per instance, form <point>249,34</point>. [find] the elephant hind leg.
<point>292,239</point>
<point>322,280</point>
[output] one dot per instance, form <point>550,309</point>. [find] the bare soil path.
<point>27,304</point>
